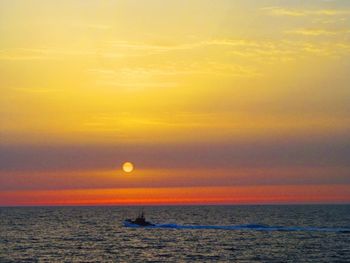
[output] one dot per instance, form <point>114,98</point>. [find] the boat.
<point>139,221</point>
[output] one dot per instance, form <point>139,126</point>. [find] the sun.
<point>128,167</point>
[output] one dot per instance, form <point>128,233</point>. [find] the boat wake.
<point>245,227</point>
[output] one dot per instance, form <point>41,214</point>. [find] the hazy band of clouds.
<point>278,153</point>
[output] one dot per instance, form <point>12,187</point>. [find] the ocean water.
<point>308,233</point>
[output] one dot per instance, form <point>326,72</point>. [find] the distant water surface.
<point>310,233</point>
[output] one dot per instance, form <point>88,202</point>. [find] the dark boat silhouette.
<point>139,221</point>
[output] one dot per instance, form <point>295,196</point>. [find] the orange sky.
<point>184,195</point>
<point>232,102</point>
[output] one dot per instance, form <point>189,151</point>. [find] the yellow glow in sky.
<point>141,71</point>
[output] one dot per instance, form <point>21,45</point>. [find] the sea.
<point>252,233</point>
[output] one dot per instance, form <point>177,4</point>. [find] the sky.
<point>214,102</point>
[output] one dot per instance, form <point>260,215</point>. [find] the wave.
<point>255,227</point>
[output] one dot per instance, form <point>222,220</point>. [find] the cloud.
<point>182,177</point>
<point>152,47</point>
<point>323,152</point>
<point>312,32</point>
<point>36,90</point>
<point>166,73</point>
<point>260,49</point>
<point>96,26</point>
<point>25,54</point>
<point>42,53</point>
<point>280,11</point>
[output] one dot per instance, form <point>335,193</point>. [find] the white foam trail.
<point>245,227</point>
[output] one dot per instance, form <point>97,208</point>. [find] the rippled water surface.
<point>318,233</point>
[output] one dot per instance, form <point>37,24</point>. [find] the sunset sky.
<point>214,102</point>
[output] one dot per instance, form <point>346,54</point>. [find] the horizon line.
<point>173,205</point>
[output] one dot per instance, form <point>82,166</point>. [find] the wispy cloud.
<point>280,11</point>
<point>312,32</point>
<point>121,49</point>
<point>242,50</point>
<point>154,47</point>
<point>166,76</point>
<point>98,26</point>
<point>25,54</point>
<point>41,53</point>
<point>36,90</point>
